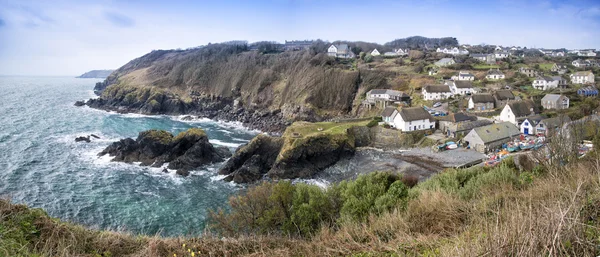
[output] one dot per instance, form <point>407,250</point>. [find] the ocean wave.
<point>219,142</point>
<point>324,184</point>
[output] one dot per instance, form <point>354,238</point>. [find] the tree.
<point>368,58</point>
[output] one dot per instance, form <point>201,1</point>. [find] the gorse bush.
<point>302,209</point>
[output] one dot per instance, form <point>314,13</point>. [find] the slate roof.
<point>464,126</point>
<point>341,47</point>
<point>437,89</point>
<point>457,117</point>
<point>479,55</point>
<point>495,72</point>
<point>414,113</point>
<point>556,121</point>
<point>377,91</point>
<point>582,73</point>
<point>504,95</point>
<point>523,108</point>
<point>557,78</point>
<point>546,78</point>
<point>497,131</point>
<point>444,60</point>
<point>482,98</point>
<point>551,97</point>
<point>388,111</point>
<point>535,119</point>
<point>463,84</point>
<point>387,91</point>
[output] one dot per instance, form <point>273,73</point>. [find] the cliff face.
<point>227,82</point>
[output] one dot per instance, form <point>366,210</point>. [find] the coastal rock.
<point>304,157</point>
<point>79,103</point>
<point>83,139</point>
<point>251,161</point>
<point>186,151</point>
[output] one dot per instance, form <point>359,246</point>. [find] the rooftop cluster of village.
<point>481,96</point>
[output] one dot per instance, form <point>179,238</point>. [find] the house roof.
<point>495,72</point>
<point>555,78</point>
<point>387,91</point>
<point>556,121</point>
<point>482,98</point>
<point>463,84</point>
<point>582,73</point>
<point>504,95</point>
<point>377,91</point>
<point>464,126</point>
<point>552,97</point>
<point>457,117</point>
<point>437,89</point>
<point>445,60</point>
<point>388,112</point>
<point>464,73</point>
<point>480,55</point>
<point>342,47</point>
<point>523,108</point>
<point>497,131</point>
<point>546,78</point>
<point>414,113</point>
<point>535,119</point>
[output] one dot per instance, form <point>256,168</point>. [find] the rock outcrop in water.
<point>251,161</point>
<point>186,151</point>
<point>286,157</point>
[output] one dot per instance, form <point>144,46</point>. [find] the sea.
<point>42,166</point>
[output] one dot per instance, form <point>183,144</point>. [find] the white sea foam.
<point>317,182</point>
<point>219,142</point>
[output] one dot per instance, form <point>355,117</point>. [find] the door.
<point>526,131</point>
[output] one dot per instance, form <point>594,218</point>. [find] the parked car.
<point>436,105</point>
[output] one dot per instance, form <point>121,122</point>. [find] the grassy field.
<point>308,128</point>
<point>546,66</point>
<point>485,66</point>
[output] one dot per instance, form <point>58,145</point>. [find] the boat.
<point>512,147</point>
<point>451,145</point>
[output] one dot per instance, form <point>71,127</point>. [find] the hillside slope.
<point>227,82</point>
<point>100,74</point>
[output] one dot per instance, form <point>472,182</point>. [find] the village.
<point>494,100</point>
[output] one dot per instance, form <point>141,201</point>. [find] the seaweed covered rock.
<point>251,161</point>
<point>304,157</point>
<point>188,150</point>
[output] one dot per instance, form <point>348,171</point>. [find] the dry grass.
<point>555,215</point>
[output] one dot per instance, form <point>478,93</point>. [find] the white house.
<point>529,124</point>
<point>587,53</point>
<point>413,118</point>
<point>340,51</point>
<point>452,51</point>
<point>581,63</point>
<point>501,54</point>
<point>401,52</point>
<point>387,95</point>
<point>481,102</point>
<point>554,101</point>
<point>460,87</point>
<point>582,77</point>
<point>464,76</point>
<point>375,52</point>
<point>388,115</point>
<point>487,58</point>
<point>516,112</point>
<point>495,74</point>
<point>437,92</point>
<point>390,54</point>
<point>545,83</point>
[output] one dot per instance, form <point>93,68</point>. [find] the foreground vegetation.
<point>526,210</point>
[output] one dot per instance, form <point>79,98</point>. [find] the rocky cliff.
<point>264,91</point>
<point>188,150</point>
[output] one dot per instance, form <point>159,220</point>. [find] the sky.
<point>69,37</point>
